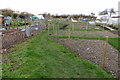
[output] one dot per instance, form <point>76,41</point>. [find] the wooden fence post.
<point>69,36</point>
<point>53,28</point>
<point>105,53</point>
<point>72,26</point>
<point>48,30</point>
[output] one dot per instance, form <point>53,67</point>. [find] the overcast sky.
<point>59,6</point>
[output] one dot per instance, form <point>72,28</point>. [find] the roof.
<point>34,17</point>
<point>40,16</point>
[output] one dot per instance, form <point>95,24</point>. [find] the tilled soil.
<point>92,50</point>
<point>83,26</point>
<point>88,34</point>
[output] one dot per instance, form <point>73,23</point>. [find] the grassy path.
<point>41,57</point>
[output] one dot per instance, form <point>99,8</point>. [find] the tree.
<point>108,12</point>
<point>92,14</point>
<point>7,12</point>
<point>104,12</point>
<point>112,11</point>
<point>15,15</point>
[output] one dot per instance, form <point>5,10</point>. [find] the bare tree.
<point>108,12</point>
<point>92,14</point>
<point>7,12</point>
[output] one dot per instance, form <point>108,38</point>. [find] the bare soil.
<point>93,50</point>
<point>82,26</point>
<point>88,34</point>
<point>11,39</point>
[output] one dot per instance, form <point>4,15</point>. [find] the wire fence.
<point>13,37</point>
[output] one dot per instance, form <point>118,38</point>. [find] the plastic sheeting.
<point>113,21</point>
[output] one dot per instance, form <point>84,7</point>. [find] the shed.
<point>1,20</point>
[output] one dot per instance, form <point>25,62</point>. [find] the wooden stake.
<point>48,30</point>
<point>86,25</point>
<point>103,26</point>
<point>105,53</point>
<point>72,26</point>
<point>53,28</point>
<point>69,36</point>
<point>58,29</point>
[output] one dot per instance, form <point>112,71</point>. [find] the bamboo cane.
<point>72,26</point>
<point>48,30</point>
<point>53,28</point>
<point>69,37</point>
<point>105,53</point>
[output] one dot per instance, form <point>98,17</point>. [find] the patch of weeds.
<point>50,34</point>
<point>109,72</point>
<point>64,51</point>
<point>63,40</point>
<point>72,55</point>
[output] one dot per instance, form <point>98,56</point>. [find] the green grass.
<point>41,57</point>
<point>113,41</point>
<point>73,37</point>
<point>19,27</point>
<point>87,30</point>
<point>0,66</point>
